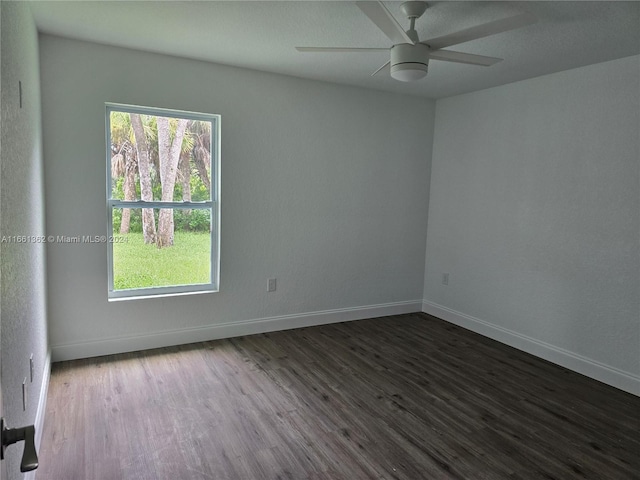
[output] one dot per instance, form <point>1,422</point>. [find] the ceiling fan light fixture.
<point>409,62</point>
<point>409,72</point>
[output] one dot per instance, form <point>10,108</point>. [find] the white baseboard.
<point>40,413</point>
<point>604,373</point>
<point>113,345</point>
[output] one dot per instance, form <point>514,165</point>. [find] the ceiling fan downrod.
<point>413,11</point>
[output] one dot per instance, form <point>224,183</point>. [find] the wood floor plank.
<point>406,397</point>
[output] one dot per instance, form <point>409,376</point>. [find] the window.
<point>162,201</point>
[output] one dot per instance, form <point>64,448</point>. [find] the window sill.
<point>159,295</point>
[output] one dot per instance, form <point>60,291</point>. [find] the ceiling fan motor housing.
<point>409,62</point>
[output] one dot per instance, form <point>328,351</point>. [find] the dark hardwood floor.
<point>404,397</point>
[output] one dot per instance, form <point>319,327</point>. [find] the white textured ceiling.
<point>262,35</point>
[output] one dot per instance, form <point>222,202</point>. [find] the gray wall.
<point>22,266</point>
<point>323,187</point>
<point>534,213</point>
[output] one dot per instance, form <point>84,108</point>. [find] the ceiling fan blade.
<point>381,68</point>
<point>340,49</point>
<point>459,57</point>
<point>379,15</point>
<point>480,31</point>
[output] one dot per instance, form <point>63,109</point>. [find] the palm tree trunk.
<point>169,154</point>
<point>129,192</point>
<point>185,170</point>
<point>146,194</point>
<point>202,161</point>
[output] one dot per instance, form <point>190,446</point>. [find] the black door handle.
<point>12,435</point>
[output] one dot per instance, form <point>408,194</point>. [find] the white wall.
<point>534,213</point>
<point>22,265</point>
<point>323,187</point>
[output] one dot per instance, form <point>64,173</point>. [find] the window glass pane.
<point>138,262</point>
<point>155,158</point>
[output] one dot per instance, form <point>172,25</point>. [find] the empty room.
<point>320,240</point>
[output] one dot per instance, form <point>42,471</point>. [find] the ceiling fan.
<point>410,56</point>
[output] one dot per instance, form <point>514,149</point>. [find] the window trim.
<point>213,205</point>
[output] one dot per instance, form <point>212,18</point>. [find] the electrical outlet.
<point>271,285</point>
<point>31,367</point>
<point>445,279</point>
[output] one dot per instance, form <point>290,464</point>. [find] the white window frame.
<point>213,205</point>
